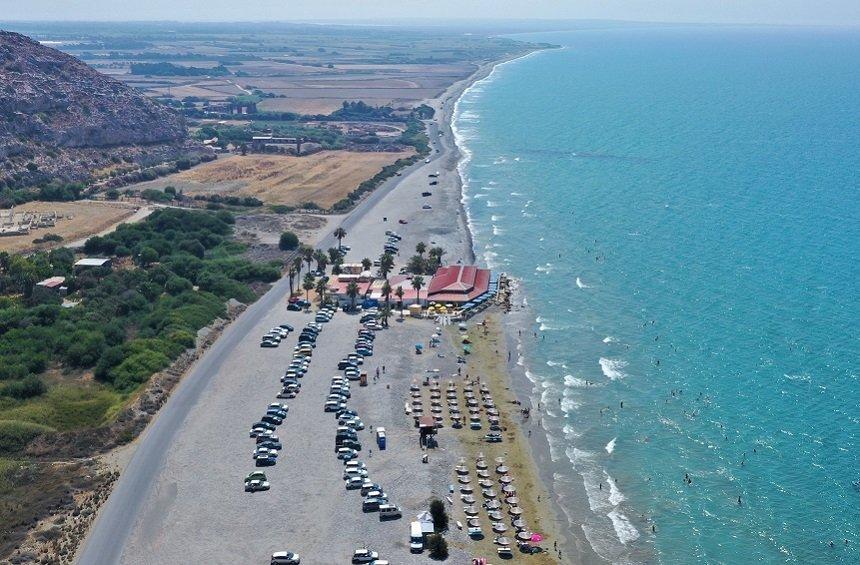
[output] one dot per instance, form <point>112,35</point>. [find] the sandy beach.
<point>195,505</point>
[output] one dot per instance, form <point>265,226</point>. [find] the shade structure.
<point>512,500</point>
<point>488,493</point>
<point>493,505</point>
<point>468,499</point>
<point>481,464</point>
<point>473,523</point>
<point>466,489</point>
<point>495,515</point>
<point>463,480</point>
<point>484,474</point>
<point>519,524</point>
<point>462,470</point>
<point>502,540</point>
<point>470,511</point>
<point>509,489</point>
<point>502,469</point>
<point>485,483</point>
<point>524,536</point>
<point>515,511</point>
<point>506,479</point>
<point>499,527</point>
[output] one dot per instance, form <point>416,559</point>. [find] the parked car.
<point>255,476</point>
<point>361,556</point>
<point>353,483</point>
<point>256,485</point>
<point>389,512</point>
<point>346,454</point>
<point>493,438</point>
<point>370,505</point>
<point>285,558</point>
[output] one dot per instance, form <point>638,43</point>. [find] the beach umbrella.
<point>500,460</point>
<point>499,527</point>
<point>489,493</point>
<point>502,540</point>
<point>470,510</point>
<point>468,499</point>
<point>509,489</point>
<point>512,500</point>
<point>493,505</point>
<point>473,523</point>
<point>506,479</point>
<point>524,536</point>
<point>515,511</point>
<point>466,489</point>
<point>501,469</point>
<point>463,480</point>
<point>484,474</point>
<point>519,524</point>
<point>462,470</point>
<point>481,464</point>
<point>494,515</point>
<point>536,538</point>
<point>485,483</point>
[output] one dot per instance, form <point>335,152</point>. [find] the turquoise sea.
<point>681,205</point>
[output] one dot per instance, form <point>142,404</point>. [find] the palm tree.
<point>308,255</point>
<point>435,255</point>
<point>366,264</point>
<point>333,254</point>
<point>385,312</point>
<point>297,264</point>
<point>352,292</point>
<point>386,291</point>
<point>321,258</point>
<point>339,233</point>
<point>320,289</point>
<point>421,248</point>
<point>308,285</point>
<point>386,263</point>
<point>399,293</point>
<point>417,284</point>
<point>292,274</point>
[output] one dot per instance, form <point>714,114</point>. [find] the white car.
<point>354,473</point>
<point>285,558</point>
<point>265,453</point>
<point>257,485</point>
<point>364,556</point>
<point>354,483</point>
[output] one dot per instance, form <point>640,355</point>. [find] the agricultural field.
<point>323,178</point>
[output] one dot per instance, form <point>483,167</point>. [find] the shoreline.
<point>576,547</point>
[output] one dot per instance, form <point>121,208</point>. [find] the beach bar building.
<point>458,284</point>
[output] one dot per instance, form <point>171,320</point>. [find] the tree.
<point>418,284</point>
<point>307,253</point>
<point>333,255</point>
<point>244,149</point>
<point>298,262</point>
<point>292,274</point>
<point>366,264</point>
<point>339,233</point>
<point>352,291</point>
<point>438,547</point>
<point>399,293</point>
<point>288,241</point>
<point>440,517</point>
<point>420,249</point>
<point>320,289</point>
<point>385,313</point>
<point>308,285</point>
<point>147,256</point>
<point>321,258</point>
<point>386,263</point>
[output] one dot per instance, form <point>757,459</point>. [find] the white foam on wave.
<point>575,382</point>
<point>492,183</point>
<point>612,368</point>
<point>610,339</point>
<point>552,363</point>
<point>497,230</point>
<point>545,268</point>
<point>491,204</point>
<point>529,215</point>
<point>623,528</point>
<point>516,194</point>
<point>521,361</point>
<point>581,284</point>
<point>496,217</point>
<point>610,447</point>
<point>499,161</point>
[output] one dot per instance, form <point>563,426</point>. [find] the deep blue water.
<point>682,208</point>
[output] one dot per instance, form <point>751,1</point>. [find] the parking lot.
<point>200,493</point>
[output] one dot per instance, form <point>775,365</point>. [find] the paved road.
<point>117,518</point>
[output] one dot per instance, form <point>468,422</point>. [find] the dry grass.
<point>300,106</point>
<point>322,178</point>
<point>79,219</point>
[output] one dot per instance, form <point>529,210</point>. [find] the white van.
<point>389,512</point>
<point>416,538</point>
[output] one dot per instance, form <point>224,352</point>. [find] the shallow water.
<point>681,205</point>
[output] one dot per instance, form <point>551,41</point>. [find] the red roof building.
<point>458,284</point>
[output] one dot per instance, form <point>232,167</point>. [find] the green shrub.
<point>14,435</point>
<point>438,547</point>
<point>288,242</point>
<point>28,387</point>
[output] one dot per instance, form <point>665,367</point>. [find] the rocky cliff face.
<point>52,105</point>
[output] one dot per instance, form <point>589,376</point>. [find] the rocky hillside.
<point>58,116</point>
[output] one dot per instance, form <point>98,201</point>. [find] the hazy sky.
<point>741,11</point>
